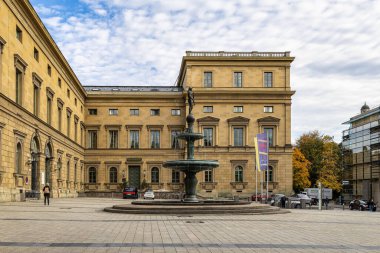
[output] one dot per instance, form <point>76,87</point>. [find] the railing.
<point>238,54</point>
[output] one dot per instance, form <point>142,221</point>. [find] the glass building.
<point>361,155</point>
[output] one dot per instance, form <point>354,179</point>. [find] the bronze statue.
<point>190,99</point>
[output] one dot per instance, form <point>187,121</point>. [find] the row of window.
<point>175,177</point>
<point>237,79</point>
<point>49,72</point>
<point>238,134</point>
<point>174,112</point>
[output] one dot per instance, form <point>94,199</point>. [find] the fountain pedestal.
<point>190,166</point>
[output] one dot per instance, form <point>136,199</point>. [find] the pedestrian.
<point>370,205</point>
<point>46,191</point>
<point>327,203</point>
<point>283,201</point>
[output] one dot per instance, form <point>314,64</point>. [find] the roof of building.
<point>363,115</point>
<point>133,88</point>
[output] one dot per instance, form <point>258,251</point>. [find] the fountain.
<point>190,166</point>
<point>190,204</point>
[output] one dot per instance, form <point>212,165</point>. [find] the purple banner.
<point>263,148</point>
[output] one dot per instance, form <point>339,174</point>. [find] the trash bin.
<point>303,203</point>
<point>22,195</point>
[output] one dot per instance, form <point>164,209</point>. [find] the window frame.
<point>212,135</point>
<point>176,177</point>
<point>113,136</point>
<point>209,176</point>
<point>154,112</point>
<point>155,175</point>
<point>151,137</point>
<point>234,140</point>
<point>113,112</point>
<point>18,33</point>
<point>236,79</point>
<point>237,107</point>
<point>92,111</point>
<point>176,112</point>
<point>239,174</point>
<point>92,175</point>
<point>131,139</point>
<point>92,144</point>
<point>268,109</point>
<point>207,81</point>
<point>266,83</point>
<point>206,107</point>
<point>112,175</point>
<point>132,112</point>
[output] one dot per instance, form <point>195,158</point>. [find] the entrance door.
<point>34,177</point>
<point>134,176</point>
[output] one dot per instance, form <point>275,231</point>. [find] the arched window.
<point>18,158</point>
<point>155,175</point>
<point>92,175</point>
<point>238,174</point>
<point>59,168</point>
<point>269,175</point>
<point>113,175</point>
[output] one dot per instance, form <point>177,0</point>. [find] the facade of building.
<point>90,138</point>
<point>361,155</point>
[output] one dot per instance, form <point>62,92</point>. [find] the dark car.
<point>130,193</point>
<point>359,204</point>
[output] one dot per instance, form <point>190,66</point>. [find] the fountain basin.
<point>188,136</point>
<point>191,165</point>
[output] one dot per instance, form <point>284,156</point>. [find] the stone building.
<point>361,155</point>
<point>88,138</point>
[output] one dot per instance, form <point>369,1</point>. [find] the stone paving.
<point>81,225</point>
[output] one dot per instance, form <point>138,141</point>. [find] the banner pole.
<point>261,186</point>
<point>256,185</point>
<point>267,168</point>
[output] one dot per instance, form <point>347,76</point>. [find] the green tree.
<point>300,171</point>
<point>330,174</point>
<point>311,146</point>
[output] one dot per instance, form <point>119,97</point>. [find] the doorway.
<point>134,176</point>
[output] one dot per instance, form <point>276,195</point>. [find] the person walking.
<point>327,203</point>
<point>46,191</point>
<point>370,205</point>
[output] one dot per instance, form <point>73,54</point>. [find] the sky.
<point>141,42</point>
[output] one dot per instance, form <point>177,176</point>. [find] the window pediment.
<point>37,80</point>
<point>238,119</point>
<point>209,119</point>
<point>20,63</point>
<point>269,119</point>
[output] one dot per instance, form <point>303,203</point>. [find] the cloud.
<point>140,42</point>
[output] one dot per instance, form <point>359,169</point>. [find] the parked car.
<point>360,204</point>
<point>130,193</point>
<point>149,194</point>
<point>295,199</point>
<point>276,199</point>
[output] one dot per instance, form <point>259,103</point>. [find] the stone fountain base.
<point>177,207</point>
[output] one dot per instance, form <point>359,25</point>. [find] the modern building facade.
<point>361,155</point>
<point>91,138</point>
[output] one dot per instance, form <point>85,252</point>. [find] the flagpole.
<point>256,184</point>
<point>267,168</point>
<point>261,186</point>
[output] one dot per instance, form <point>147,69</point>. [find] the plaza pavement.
<point>81,225</point>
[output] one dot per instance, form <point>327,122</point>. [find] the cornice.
<point>133,126</point>
<point>154,126</point>
<point>37,80</point>
<point>208,119</point>
<point>113,126</point>
<point>238,119</point>
<point>20,62</point>
<point>268,119</point>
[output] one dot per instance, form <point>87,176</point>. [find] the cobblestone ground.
<point>80,225</point>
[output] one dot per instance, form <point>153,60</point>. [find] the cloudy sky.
<point>141,42</point>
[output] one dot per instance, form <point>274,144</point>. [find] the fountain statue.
<point>190,166</point>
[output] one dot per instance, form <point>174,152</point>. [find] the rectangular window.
<point>48,110</point>
<point>208,137</point>
<point>154,112</point>
<point>174,139</point>
<point>59,83</point>
<point>68,125</point>
<point>176,112</point>
<point>113,112</point>
<point>238,136</point>
<point>18,33</point>
<point>134,139</point>
<point>49,70</point>
<point>113,138</point>
<point>208,109</point>
<point>208,176</point>
<point>18,87</point>
<point>92,139</point>
<point>75,101</point>
<point>59,118</point>
<point>93,111</point>
<point>238,79</point>
<point>238,109</point>
<point>68,93</point>
<point>268,108</point>
<point>75,131</point>
<point>36,99</point>
<point>36,54</point>
<point>175,176</point>
<point>269,131</point>
<point>269,175</point>
<point>134,112</point>
<point>155,139</point>
<point>207,79</point>
<point>268,79</point>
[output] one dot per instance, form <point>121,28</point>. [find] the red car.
<point>130,193</point>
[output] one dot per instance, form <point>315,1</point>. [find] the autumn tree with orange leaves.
<point>301,167</point>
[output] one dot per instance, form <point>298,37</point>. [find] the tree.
<point>300,171</point>
<point>330,174</point>
<point>311,146</point>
